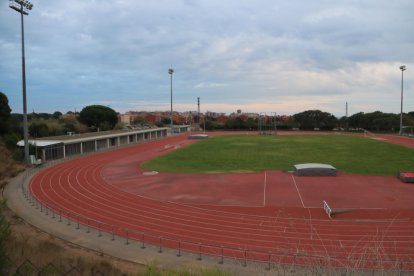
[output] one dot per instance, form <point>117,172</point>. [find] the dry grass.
<point>8,167</point>
<point>41,249</point>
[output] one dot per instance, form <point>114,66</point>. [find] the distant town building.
<point>214,114</point>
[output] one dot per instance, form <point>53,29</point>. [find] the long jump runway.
<point>266,216</point>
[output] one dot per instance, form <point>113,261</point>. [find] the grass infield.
<point>250,153</point>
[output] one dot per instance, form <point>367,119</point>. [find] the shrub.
<point>4,235</point>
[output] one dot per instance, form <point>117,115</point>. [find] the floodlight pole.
<point>171,71</point>
<point>198,110</point>
<point>402,68</point>
<point>23,8</point>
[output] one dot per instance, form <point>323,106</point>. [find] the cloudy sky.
<point>254,55</point>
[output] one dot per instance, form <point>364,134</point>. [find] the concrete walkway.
<point>119,247</point>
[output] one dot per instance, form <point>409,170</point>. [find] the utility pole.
<point>346,116</point>
<point>23,8</point>
<point>402,68</point>
<point>171,71</point>
<point>198,112</point>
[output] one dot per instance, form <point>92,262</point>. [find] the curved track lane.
<point>78,189</point>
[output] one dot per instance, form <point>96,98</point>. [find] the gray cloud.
<point>230,53</point>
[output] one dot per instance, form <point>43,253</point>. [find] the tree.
<point>357,120</point>
<point>98,117</point>
<point>212,123</point>
<point>285,122</point>
<point>139,121</point>
<point>312,119</point>
<point>378,121</point>
<point>236,123</point>
<point>4,114</point>
<point>68,127</point>
<point>164,122</point>
<point>38,130</point>
<point>57,114</point>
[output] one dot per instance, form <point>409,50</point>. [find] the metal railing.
<point>243,256</point>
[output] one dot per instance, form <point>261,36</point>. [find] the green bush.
<point>4,235</point>
<point>10,141</point>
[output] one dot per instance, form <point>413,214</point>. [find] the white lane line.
<point>296,186</point>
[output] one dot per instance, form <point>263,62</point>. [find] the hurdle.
<point>327,209</point>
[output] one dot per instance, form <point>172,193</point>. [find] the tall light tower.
<point>402,68</point>
<point>23,8</point>
<point>198,112</point>
<point>171,71</point>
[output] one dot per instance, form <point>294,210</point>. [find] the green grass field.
<point>248,153</point>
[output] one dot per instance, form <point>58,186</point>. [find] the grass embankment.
<point>237,153</point>
<point>9,168</point>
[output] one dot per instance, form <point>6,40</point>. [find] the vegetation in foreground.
<point>249,153</point>
<point>25,250</point>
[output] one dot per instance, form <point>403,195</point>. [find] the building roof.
<point>78,137</point>
<point>38,143</point>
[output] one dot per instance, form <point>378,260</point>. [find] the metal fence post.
<point>143,241</point>
<point>222,256</point>
<point>99,230</point>
<point>245,261</point>
<point>270,256</point>
<point>77,227</point>
<point>199,252</point>
<point>179,249</point>
<point>126,242</point>
<point>88,227</point>
<point>113,234</point>
<point>160,250</point>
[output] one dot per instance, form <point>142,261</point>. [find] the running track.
<point>81,189</point>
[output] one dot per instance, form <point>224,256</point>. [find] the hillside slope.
<point>8,166</point>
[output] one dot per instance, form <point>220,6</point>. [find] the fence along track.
<point>242,256</point>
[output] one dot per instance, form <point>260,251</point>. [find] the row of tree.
<point>314,119</point>
<point>91,118</point>
<point>100,118</point>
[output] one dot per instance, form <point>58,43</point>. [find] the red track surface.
<point>239,215</point>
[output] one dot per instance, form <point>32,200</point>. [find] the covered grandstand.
<point>58,147</point>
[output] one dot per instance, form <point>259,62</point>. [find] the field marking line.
<point>191,204</point>
<point>264,190</point>
<point>296,186</point>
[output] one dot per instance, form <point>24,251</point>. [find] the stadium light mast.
<point>198,113</point>
<point>171,71</point>
<point>402,68</point>
<point>23,7</point>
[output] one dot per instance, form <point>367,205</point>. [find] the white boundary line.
<point>195,205</point>
<point>296,186</point>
